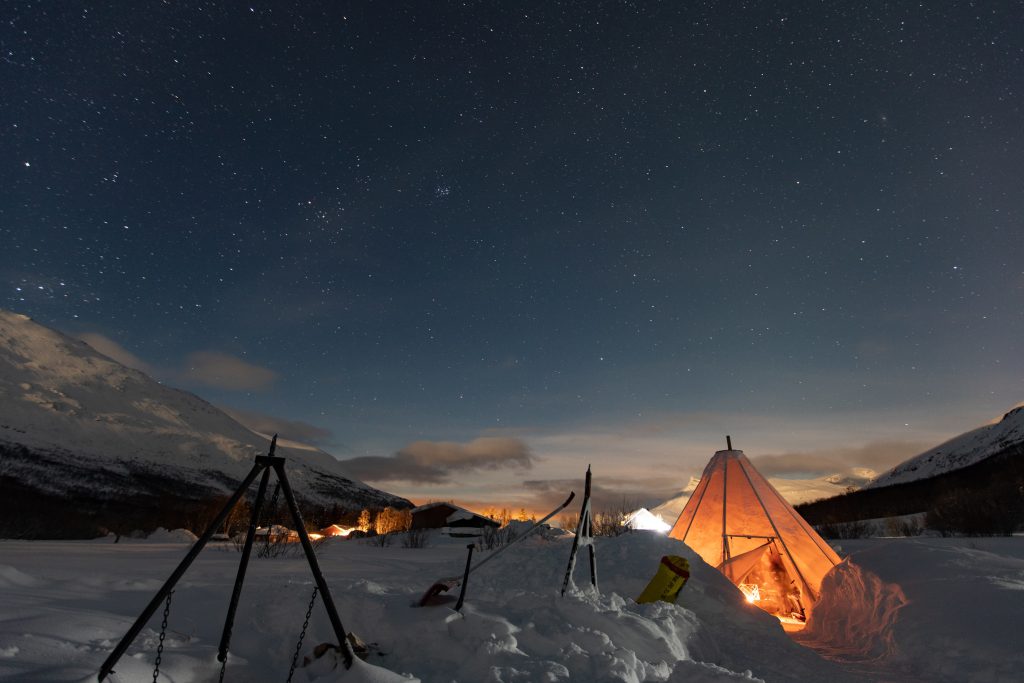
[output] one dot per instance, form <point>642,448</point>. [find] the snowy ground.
<point>953,616</point>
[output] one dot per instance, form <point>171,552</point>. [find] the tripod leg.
<point>108,666</point>
<point>314,566</point>
<point>593,565</point>
<point>243,564</point>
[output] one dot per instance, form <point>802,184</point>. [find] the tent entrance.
<point>766,578</point>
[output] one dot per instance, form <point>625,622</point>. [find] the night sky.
<point>479,245</point>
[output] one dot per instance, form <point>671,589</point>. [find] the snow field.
<point>926,609</point>
<point>923,609</point>
<point>64,605</point>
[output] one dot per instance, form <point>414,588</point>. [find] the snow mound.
<point>12,578</point>
<point>162,535</point>
<point>856,615</point>
<point>924,609</point>
<point>329,669</point>
<point>515,626</point>
<point>516,529</point>
<point>702,672</point>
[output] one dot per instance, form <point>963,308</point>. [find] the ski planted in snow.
<point>584,537</point>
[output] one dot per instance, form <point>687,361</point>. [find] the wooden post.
<point>465,578</point>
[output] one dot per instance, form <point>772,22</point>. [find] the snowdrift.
<point>924,609</point>
<point>60,619</point>
<point>935,610</point>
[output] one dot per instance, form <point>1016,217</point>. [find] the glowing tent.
<point>737,522</point>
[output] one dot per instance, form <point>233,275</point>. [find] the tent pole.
<point>707,484</point>
<point>811,532</point>
<point>771,521</point>
<point>725,506</point>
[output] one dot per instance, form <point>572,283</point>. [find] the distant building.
<point>451,519</point>
<point>277,534</point>
<point>337,530</point>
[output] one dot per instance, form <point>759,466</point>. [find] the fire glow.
<point>750,591</point>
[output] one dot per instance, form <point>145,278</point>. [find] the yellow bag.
<point>673,571</point>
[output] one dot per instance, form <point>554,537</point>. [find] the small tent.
<point>737,522</point>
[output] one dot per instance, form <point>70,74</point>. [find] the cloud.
<point>222,371</point>
<point>877,455</point>
<point>435,462</point>
<point>622,494</point>
<point>293,430</point>
<point>111,349</point>
<point>209,368</point>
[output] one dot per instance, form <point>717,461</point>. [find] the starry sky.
<point>471,247</point>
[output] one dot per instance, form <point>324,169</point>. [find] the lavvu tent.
<point>736,521</point>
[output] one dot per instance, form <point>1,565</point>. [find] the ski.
<point>584,537</point>
<point>446,584</point>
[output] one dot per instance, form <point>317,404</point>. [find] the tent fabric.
<point>738,566</point>
<point>734,510</point>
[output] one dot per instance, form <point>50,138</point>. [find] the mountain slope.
<point>959,452</point>
<point>76,423</point>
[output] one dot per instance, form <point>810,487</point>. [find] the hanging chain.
<point>302,635</point>
<point>267,516</point>
<point>223,666</point>
<point>163,634</point>
<point>272,508</point>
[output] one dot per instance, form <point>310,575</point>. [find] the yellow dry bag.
<point>673,571</point>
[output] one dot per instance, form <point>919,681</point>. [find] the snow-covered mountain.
<point>798,491</point>
<point>75,422</point>
<point>960,451</point>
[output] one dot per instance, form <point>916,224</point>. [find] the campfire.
<point>750,590</point>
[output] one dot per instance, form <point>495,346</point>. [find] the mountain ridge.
<point>961,451</point>
<point>74,421</point>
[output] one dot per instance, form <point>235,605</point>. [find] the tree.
<point>391,520</point>
<point>367,519</point>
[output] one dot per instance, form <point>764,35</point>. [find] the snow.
<point>461,515</point>
<point>923,609</point>
<point>432,505</point>
<point>939,609</point>
<point>961,451</point>
<point>162,535</point>
<point>645,519</point>
<point>85,412</point>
